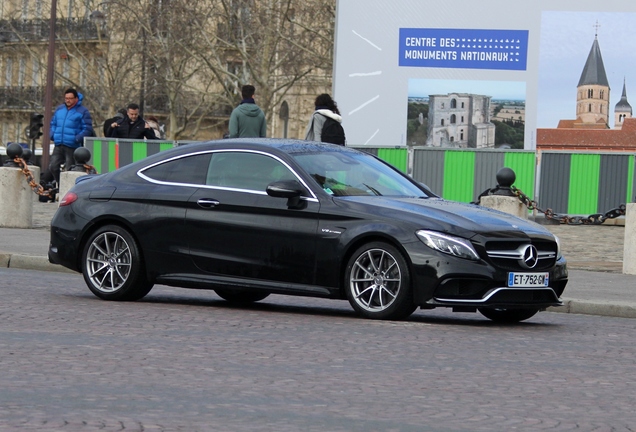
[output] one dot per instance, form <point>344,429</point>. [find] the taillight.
<point>68,199</point>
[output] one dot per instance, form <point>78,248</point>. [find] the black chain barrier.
<point>37,188</point>
<point>593,219</point>
<point>50,192</point>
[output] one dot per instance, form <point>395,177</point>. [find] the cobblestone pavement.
<point>592,247</point>
<point>183,360</point>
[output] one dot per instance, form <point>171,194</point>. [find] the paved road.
<point>183,360</point>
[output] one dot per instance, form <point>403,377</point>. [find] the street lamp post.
<point>142,91</point>
<point>48,93</point>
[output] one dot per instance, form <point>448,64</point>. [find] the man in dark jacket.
<point>132,126</point>
<point>71,122</point>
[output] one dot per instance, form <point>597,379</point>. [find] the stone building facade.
<point>460,120</point>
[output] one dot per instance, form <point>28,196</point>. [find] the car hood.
<point>465,220</point>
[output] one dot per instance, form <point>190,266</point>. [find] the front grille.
<point>509,255</point>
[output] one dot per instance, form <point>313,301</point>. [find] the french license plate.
<point>528,279</point>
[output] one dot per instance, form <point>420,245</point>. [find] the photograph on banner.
<point>543,47</point>
<point>466,114</point>
<point>584,79</point>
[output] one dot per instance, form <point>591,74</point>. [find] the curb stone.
<point>615,309</point>
<point>30,262</point>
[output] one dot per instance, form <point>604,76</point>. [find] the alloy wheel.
<point>108,262</point>
<point>375,280</point>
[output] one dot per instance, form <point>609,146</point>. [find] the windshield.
<point>355,174</point>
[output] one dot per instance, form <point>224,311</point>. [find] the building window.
<point>35,72</point>
<point>589,108</point>
<point>452,139</point>
<point>461,135</point>
<point>590,93</point>
<point>18,138</point>
<point>453,103</point>
<point>284,116</point>
<point>442,122</point>
<point>82,72</point>
<point>462,104</point>
<point>8,76</point>
<point>5,133</point>
<point>21,72</point>
<point>38,9</point>
<point>453,119</point>
<point>462,119</point>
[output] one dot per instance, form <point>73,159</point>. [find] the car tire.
<point>378,283</point>
<point>508,315</point>
<point>112,265</point>
<point>240,295</point>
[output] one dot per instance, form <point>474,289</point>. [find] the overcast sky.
<point>566,39</point>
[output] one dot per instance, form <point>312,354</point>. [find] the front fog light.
<point>447,244</point>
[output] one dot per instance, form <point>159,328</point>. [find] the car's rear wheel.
<point>508,315</point>
<point>240,295</point>
<point>112,265</point>
<point>378,282</point>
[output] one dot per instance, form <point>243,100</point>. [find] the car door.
<point>236,230</point>
<point>163,195</point>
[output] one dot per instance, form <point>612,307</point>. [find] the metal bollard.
<point>502,197</point>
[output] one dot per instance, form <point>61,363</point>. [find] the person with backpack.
<point>325,123</point>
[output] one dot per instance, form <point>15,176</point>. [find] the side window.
<point>188,170</point>
<point>243,170</point>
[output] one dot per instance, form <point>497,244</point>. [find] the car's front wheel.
<point>378,282</point>
<point>112,265</point>
<point>508,315</point>
<point>240,295</point>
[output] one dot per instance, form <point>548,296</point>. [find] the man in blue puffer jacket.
<point>70,123</point>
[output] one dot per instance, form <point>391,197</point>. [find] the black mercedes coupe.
<point>252,217</point>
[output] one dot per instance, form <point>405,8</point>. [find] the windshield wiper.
<point>372,189</point>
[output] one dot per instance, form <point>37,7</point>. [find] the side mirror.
<point>290,189</point>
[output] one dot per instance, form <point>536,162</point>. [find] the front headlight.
<point>558,242</point>
<point>448,244</point>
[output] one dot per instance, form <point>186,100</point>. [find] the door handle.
<point>207,202</point>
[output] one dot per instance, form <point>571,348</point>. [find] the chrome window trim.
<point>140,173</point>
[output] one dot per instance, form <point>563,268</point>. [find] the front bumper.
<point>446,281</point>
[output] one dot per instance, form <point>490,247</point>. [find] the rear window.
<point>185,170</point>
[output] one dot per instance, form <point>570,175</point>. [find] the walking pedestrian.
<point>71,122</point>
<point>325,123</point>
<point>247,119</point>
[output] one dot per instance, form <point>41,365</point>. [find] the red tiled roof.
<point>591,139</point>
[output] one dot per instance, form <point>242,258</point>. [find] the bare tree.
<point>273,44</point>
<point>185,60</point>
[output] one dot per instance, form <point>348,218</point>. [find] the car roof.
<point>278,146</point>
<point>284,145</point>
